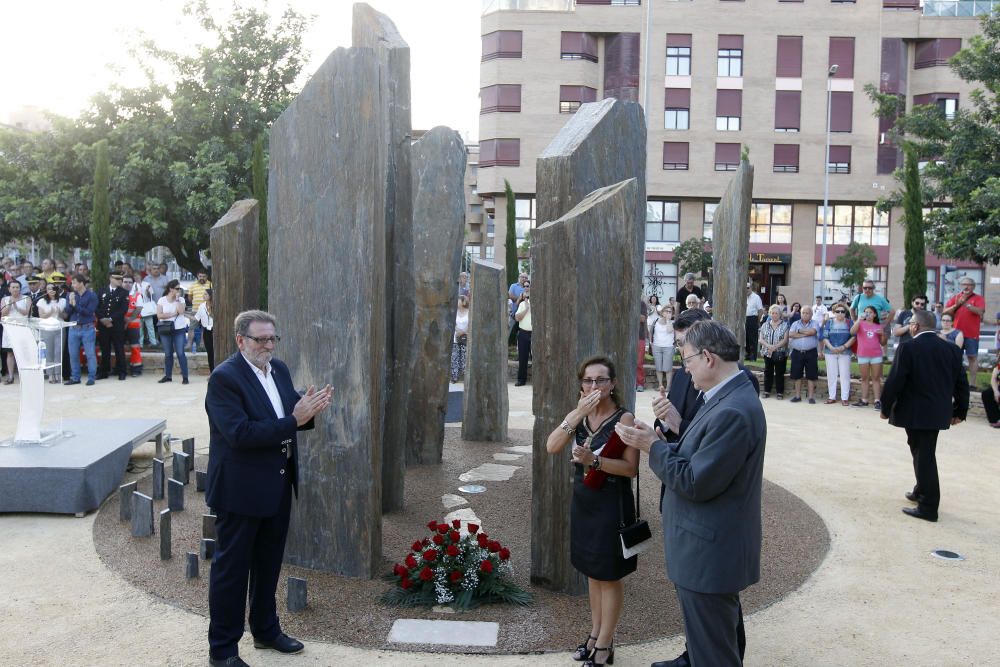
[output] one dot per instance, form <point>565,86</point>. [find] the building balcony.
<point>960,8</point>
<point>490,6</point>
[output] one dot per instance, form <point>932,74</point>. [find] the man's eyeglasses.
<point>867,287</point>
<point>594,382</point>
<point>264,340</point>
<point>840,312</point>
<point>696,354</point>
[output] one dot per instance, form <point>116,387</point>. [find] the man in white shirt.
<point>754,306</point>
<point>820,312</point>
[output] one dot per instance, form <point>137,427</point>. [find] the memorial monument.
<point>731,252</point>
<point>235,240</point>
<point>485,403</point>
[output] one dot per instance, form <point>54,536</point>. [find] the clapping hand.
<point>312,404</point>
<point>667,413</point>
<point>641,436</point>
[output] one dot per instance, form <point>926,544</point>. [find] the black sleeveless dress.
<point>595,516</point>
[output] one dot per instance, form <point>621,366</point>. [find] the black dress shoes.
<point>679,661</point>
<point>912,497</point>
<point>282,644</point>
<point>918,513</point>
<point>233,661</point>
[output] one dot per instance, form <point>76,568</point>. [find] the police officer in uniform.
<point>112,304</point>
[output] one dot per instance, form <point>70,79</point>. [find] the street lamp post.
<point>826,181</point>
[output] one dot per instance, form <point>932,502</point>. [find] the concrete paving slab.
<point>489,472</point>
<point>450,500</point>
<point>449,633</point>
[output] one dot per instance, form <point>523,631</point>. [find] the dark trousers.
<point>713,628</point>
<point>247,561</point>
<point>106,338</point>
<point>774,373</point>
<point>752,334</point>
<point>991,407</point>
<point>523,354</point>
<point>923,449</point>
<point>209,347</point>
<point>67,368</point>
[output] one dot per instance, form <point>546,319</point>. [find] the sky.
<point>54,54</point>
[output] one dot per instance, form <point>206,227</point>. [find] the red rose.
<point>416,546</point>
<point>504,553</point>
<point>424,542</point>
<point>406,583</point>
<point>454,536</point>
<point>493,546</point>
<point>456,524</point>
<point>410,561</point>
<point>483,540</point>
<point>426,574</point>
<point>456,575</point>
<point>473,528</point>
<point>433,525</point>
<point>442,528</point>
<point>398,570</point>
<point>438,539</point>
<point>486,566</point>
<point>452,550</point>
<point>429,556</point>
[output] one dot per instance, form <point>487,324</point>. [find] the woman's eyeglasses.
<point>594,382</point>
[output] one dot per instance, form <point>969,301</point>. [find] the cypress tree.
<point>258,167</point>
<point>915,271</point>
<point>510,240</point>
<point>100,220</point>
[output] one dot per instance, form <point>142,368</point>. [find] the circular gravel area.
<point>347,610</point>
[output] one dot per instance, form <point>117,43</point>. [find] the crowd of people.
<point>138,309</point>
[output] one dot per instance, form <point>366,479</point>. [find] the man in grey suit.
<point>712,505</point>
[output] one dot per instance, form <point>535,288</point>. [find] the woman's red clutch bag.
<point>612,450</point>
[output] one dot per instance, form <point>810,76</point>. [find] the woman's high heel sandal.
<point>583,651</point>
<point>592,660</point>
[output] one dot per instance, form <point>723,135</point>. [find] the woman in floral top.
<point>774,349</point>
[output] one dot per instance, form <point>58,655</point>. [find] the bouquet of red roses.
<point>448,567</point>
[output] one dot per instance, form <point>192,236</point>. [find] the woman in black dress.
<point>597,514</point>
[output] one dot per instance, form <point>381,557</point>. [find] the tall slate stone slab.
<point>142,515</point>
<point>125,492</point>
<point>235,246</point>
<point>326,208</point>
<point>580,262</point>
<point>187,444</point>
<point>731,252</point>
<point>602,145</point>
<point>484,401</point>
<point>298,596</point>
<point>165,547</point>
<point>375,31</point>
<point>175,495</point>
<point>158,478</point>
<point>438,163</point>
<point>181,467</point>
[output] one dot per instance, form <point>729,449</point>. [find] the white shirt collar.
<point>715,390</point>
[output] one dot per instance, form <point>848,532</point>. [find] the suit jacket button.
<point>284,450</point>
<point>282,471</point>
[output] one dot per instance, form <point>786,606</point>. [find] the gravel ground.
<point>347,611</point>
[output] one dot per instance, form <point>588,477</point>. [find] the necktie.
<point>700,402</point>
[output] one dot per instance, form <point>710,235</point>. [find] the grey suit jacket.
<point>713,477</point>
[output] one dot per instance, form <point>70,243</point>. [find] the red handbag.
<point>614,449</point>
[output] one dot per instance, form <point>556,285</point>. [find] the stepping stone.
<point>445,633</point>
<point>507,457</point>
<point>490,472</point>
<point>466,516</point>
<point>520,449</point>
<point>177,401</point>
<point>450,500</point>
<point>521,413</point>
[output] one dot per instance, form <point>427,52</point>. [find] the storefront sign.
<point>770,258</point>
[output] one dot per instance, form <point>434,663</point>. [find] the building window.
<point>499,153</point>
<point>491,228</point>
<point>786,158</point>
<point>730,62</point>
<point>571,97</point>
<point>860,223</point>
<point>728,110</point>
<point>948,107</point>
<point>727,123</point>
<point>578,46</point>
<point>840,160</point>
<point>677,114</point>
<point>663,222</point>
<point>490,252</point>
<point>524,217</point>
<point>661,280</point>
<point>727,157</point>
<point>787,110</point>
<point>841,111</point>
<point>502,44</point>
<point>770,223</point>
<point>789,57</point>
<point>935,52</point>
<point>473,253</point>
<point>501,97</point>
<point>675,155</point>
<point>836,289</point>
<point>678,61</point>
<point>841,54</point>
<point>708,219</point>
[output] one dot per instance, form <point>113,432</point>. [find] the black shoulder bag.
<point>636,538</point>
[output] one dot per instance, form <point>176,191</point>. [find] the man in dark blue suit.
<point>254,413</point>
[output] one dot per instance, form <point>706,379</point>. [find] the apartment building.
<point>715,75</point>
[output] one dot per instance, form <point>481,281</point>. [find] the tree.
<point>915,270</point>
<point>259,171</point>
<point>854,264</point>
<point>100,225</point>
<point>693,256</point>
<point>510,239</point>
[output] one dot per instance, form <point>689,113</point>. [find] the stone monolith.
<point>235,283</point>
<point>484,406</point>
<point>581,263</point>
<point>602,145</point>
<point>326,272</point>
<point>731,252</point>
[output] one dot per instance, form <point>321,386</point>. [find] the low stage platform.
<point>75,473</point>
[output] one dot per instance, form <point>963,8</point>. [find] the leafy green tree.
<point>259,170</point>
<point>100,225</point>
<point>915,269</point>
<point>693,256</point>
<point>510,238</point>
<point>854,264</point>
